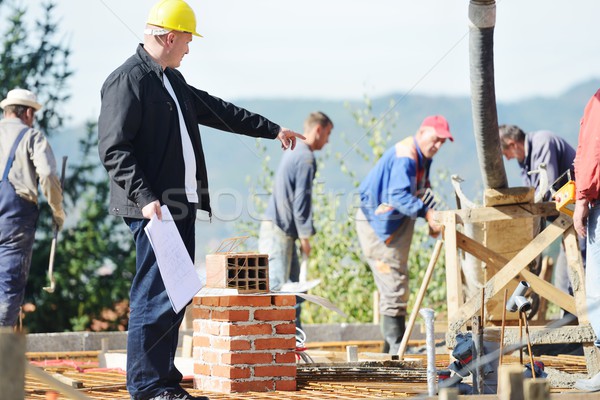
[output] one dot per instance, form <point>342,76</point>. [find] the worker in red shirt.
<point>586,218</point>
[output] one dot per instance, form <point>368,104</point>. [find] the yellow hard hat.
<point>174,15</point>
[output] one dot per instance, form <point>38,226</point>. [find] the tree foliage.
<point>34,56</point>
<point>336,258</point>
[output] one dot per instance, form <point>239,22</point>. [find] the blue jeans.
<point>153,325</point>
<point>592,271</point>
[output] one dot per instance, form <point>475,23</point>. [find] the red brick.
<point>275,315</point>
<point>239,330</point>
<point>232,315</point>
<point>287,385</point>
<point>211,357</point>
<point>201,369</point>
<point>285,358</point>
<point>208,383</point>
<point>225,344</point>
<point>207,300</point>
<point>196,353</point>
<point>250,386</point>
<point>230,372</point>
<point>247,358</point>
<point>245,301</point>
<point>201,341</point>
<point>200,313</point>
<point>207,327</point>
<point>275,370</point>
<point>196,324</point>
<point>286,329</point>
<point>275,344</point>
<point>284,300</point>
<point>196,300</point>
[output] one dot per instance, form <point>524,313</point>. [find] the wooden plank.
<point>453,278</point>
<point>510,270</point>
<point>576,274</point>
<point>77,384</point>
<point>540,286</point>
<point>514,195</point>
<point>486,214</point>
<point>550,292</point>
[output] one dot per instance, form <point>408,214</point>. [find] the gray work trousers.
<point>389,263</point>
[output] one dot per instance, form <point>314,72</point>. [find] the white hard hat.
<point>21,97</point>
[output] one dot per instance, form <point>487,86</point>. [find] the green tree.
<point>35,58</point>
<point>336,257</point>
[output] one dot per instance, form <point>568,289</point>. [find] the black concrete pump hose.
<point>482,18</point>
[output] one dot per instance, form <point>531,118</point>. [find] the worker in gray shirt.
<point>531,150</point>
<point>288,216</point>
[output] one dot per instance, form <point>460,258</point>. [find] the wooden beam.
<point>540,286</point>
<point>513,195</point>
<point>550,292</point>
<point>453,278</point>
<point>499,213</point>
<point>510,270</point>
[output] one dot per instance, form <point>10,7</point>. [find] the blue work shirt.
<point>392,185</point>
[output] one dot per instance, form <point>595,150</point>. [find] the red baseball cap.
<point>439,123</point>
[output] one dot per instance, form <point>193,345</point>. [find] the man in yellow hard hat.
<point>149,142</point>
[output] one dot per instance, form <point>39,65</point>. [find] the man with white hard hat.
<point>26,158</point>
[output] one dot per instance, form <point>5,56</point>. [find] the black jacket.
<point>139,140</point>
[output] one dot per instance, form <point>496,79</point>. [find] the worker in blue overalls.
<point>26,159</point>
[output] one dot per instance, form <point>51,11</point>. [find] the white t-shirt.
<point>189,158</point>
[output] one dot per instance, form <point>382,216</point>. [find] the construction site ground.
<point>314,381</point>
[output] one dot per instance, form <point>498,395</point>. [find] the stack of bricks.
<point>244,343</point>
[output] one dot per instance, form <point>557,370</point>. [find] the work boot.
<point>393,330</point>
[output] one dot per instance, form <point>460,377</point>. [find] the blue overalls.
<point>18,218</point>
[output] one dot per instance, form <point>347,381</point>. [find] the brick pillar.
<point>244,343</point>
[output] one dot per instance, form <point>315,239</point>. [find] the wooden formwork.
<point>510,244</point>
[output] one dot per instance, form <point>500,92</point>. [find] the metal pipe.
<point>427,314</point>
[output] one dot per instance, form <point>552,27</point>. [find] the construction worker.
<point>288,216</point>
<point>390,202</point>
<point>586,217</point>
<point>531,150</point>
<point>149,142</point>
<point>26,158</point>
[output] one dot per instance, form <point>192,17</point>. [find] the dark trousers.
<point>153,325</point>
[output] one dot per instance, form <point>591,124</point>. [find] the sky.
<point>340,49</point>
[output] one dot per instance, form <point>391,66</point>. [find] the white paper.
<point>175,265</point>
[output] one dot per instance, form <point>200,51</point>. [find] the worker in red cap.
<point>392,196</point>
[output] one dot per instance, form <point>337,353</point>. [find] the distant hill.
<point>232,159</point>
